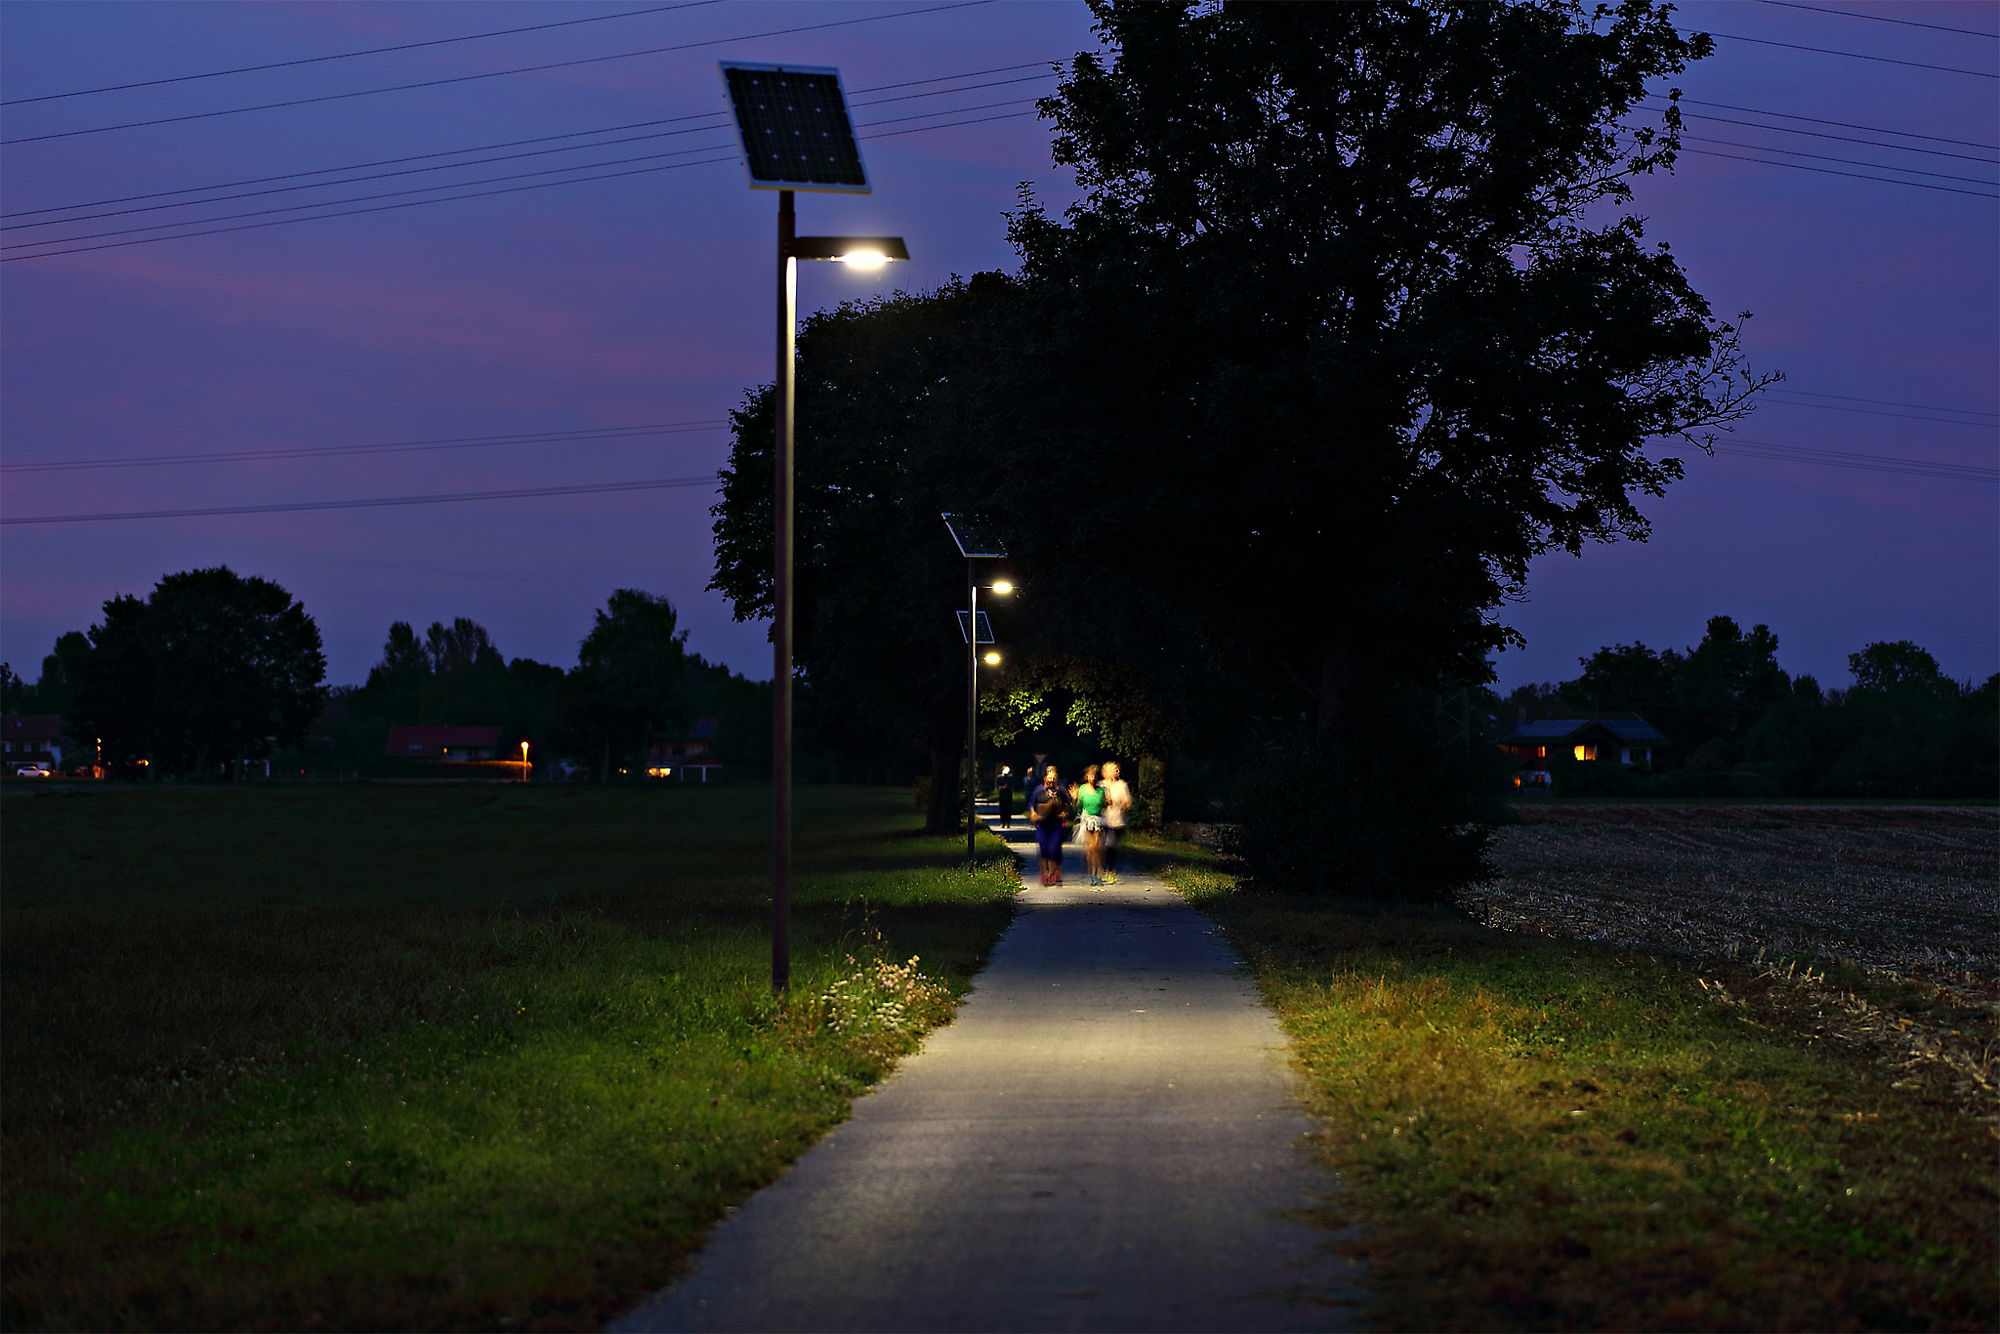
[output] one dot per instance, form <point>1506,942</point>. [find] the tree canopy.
<point>1351,326</point>
<point>210,668</point>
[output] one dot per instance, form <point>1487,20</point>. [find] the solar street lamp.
<point>795,133</point>
<point>976,541</point>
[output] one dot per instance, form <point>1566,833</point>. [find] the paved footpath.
<point>1102,1140</point>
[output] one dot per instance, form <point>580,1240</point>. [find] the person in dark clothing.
<point>1003,786</point>
<point>1050,816</point>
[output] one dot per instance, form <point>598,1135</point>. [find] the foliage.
<point>1393,809</point>
<point>211,669</point>
<point>901,418</point>
<point>251,1081</point>
<point>1341,304</point>
<point>1543,1134</point>
<point>627,691</point>
<point>1738,725</point>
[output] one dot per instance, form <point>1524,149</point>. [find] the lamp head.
<point>1002,587</point>
<point>992,659</point>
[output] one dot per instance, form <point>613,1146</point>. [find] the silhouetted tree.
<point>626,691</point>
<point>211,668</point>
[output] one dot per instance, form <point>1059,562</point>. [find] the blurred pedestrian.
<point>1090,821</point>
<point>1050,816</point>
<point>1117,808</point>
<point>1003,787</point>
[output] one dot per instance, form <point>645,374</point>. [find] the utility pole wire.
<point>638,432</point>
<point>443,498</point>
<point>426,189</point>
<point>473,194</point>
<point>719,116</point>
<point>1851,55</point>
<point>351,55</point>
<point>1882,18</point>
<point>492,74</point>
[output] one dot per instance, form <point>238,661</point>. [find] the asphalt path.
<point>1103,1139</point>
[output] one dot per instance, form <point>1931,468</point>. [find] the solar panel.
<point>975,535</point>
<point>792,123</point>
<point>985,628</point>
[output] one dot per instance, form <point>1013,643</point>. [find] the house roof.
<point>427,741</point>
<point>32,727</point>
<point>1632,731</point>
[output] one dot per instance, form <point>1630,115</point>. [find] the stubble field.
<point>1877,927</point>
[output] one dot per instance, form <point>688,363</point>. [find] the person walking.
<point>1003,788</point>
<point>1049,815</point>
<point>1117,808</point>
<point>1090,820</point>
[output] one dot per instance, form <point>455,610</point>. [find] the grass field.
<point>434,1057</point>
<point>1704,1069</point>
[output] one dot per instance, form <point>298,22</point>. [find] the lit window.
<point>1541,752</point>
<point>1586,752</point>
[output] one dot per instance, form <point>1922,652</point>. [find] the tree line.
<point>214,672</point>
<point>1739,724</point>
<point>1350,326</point>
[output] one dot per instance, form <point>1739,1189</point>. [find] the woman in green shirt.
<point>1090,820</point>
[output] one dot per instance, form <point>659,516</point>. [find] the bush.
<point>1388,812</point>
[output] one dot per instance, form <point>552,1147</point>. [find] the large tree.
<point>627,690</point>
<point>1350,321</point>
<point>210,669</point>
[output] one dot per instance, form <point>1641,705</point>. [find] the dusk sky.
<point>1844,194</point>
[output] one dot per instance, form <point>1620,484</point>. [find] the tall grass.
<point>1540,1134</point>
<point>434,1057</point>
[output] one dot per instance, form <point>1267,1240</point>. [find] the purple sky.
<point>645,299</point>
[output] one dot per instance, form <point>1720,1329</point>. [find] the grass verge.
<point>446,1057</point>
<point>1546,1134</point>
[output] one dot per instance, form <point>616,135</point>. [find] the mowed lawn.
<point>1699,1127</point>
<point>434,1056</point>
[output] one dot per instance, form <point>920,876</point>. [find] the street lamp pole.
<point>781,605</point>
<point>793,127</point>
<point>972,715</point>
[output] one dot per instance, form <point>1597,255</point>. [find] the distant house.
<point>446,745</point>
<point>690,759</point>
<point>1534,742</point>
<point>32,738</point>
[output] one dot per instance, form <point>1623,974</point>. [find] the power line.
<point>1851,55</point>
<point>486,180</point>
<point>441,498</point>
<point>491,74</point>
<point>1829,171</point>
<point>1848,161</point>
<point>1883,412</point>
<point>1841,138</point>
<point>471,194</point>
<point>1843,124</point>
<point>394,447</point>
<point>1882,18</point>
<point>351,55</point>
<point>1892,403</point>
<point>718,118</point>
<point>1835,458</point>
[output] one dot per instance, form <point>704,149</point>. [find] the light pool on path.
<point>1103,1139</point>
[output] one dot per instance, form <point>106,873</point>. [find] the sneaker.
<point>1110,879</point>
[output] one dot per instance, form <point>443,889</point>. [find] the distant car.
<point>31,771</point>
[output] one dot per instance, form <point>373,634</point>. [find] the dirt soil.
<point>1875,926</point>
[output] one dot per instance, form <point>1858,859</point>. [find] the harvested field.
<point>1902,902</point>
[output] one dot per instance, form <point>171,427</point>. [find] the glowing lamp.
<point>1003,588</point>
<point>992,659</point>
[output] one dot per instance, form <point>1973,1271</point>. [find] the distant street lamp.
<point>795,133</point>
<point>975,541</point>
<point>524,761</point>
